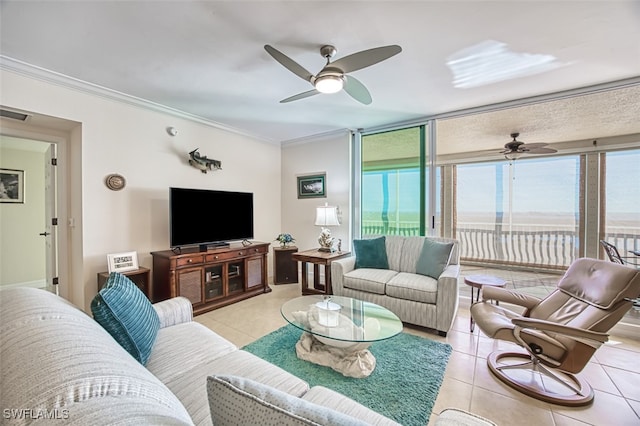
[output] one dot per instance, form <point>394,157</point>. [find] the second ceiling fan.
<point>515,148</point>
<point>333,77</point>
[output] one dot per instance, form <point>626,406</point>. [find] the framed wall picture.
<point>312,186</point>
<point>122,262</point>
<point>11,186</point>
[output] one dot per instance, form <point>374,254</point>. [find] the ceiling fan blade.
<point>300,96</point>
<point>356,90</point>
<point>288,63</point>
<point>366,58</point>
<point>530,146</point>
<point>541,151</point>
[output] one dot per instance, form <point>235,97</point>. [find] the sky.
<point>545,185</point>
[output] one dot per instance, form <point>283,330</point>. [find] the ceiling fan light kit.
<point>333,77</point>
<point>329,83</point>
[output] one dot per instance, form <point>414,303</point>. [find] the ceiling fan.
<point>333,77</point>
<point>514,149</point>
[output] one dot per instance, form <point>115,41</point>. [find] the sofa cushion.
<point>126,313</point>
<point>434,258</point>
<point>190,387</point>
<point>395,248</point>
<point>419,288</point>
<point>371,253</point>
<point>369,280</point>
<point>332,399</point>
<point>181,347</point>
<point>236,401</point>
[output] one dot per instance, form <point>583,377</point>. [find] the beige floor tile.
<point>233,335</point>
<point>626,381</point>
<point>635,405</point>
<point>487,345</point>
<point>617,357</point>
<point>461,367</point>
<point>606,410</point>
<point>463,342</point>
<point>484,380</point>
<point>453,394</point>
<point>561,420</point>
<point>504,410</point>
<point>598,378</point>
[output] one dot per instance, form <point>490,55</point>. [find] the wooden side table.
<point>318,258</point>
<point>477,282</point>
<point>140,277</point>
<point>285,269</point>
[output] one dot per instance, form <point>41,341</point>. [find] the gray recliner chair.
<point>561,332</point>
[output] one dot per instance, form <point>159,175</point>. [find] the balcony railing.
<point>531,245</point>
<point>553,249</point>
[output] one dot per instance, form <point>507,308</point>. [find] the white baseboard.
<point>35,284</point>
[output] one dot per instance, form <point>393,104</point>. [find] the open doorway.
<point>49,257</point>
<point>28,213</point>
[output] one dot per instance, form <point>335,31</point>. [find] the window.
<point>622,200</point>
<point>524,212</point>
<point>391,202</point>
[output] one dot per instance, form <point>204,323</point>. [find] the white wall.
<point>22,250</point>
<point>117,137</point>
<point>329,154</point>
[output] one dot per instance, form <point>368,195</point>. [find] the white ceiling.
<point>207,59</point>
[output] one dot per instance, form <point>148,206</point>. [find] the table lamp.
<point>326,216</point>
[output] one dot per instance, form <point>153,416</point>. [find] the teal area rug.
<point>403,386</point>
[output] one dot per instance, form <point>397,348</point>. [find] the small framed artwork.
<point>11,186</point>
<point>122,262</point>
<point>312,186</point>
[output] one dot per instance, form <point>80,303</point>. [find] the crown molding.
<point>315,137</point>
<point>32,71</point>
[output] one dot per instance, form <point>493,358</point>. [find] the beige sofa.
<point>59,366</point>
<point>414,298</point>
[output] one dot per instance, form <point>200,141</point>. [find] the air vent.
<point>13,115</point>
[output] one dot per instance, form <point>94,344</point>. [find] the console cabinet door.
<point>255,267</point>
<point>189,283</point>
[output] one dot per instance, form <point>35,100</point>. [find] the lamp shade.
<point>327,216</point>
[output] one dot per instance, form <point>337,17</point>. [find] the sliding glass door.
<point>622,201</point>
<point>395,183</point>
<point>524,212</point>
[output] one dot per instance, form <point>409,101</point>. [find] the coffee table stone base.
<point>353,360</point>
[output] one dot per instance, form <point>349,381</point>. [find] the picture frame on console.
<point>122,262</point>
<point>312,186</point>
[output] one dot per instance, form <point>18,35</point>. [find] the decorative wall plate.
<point>115,182</point>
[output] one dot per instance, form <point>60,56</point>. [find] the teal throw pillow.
<point>434,258</point>
<point>126,313</point>
<point>371,253</point>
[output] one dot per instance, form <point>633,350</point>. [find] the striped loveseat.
<point>414,298</point>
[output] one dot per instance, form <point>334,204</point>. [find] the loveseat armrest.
<point>447,298</point>
<point>338,269</point>
<point>176,310</point>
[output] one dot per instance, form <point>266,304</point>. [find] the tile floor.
<point>613,371</point>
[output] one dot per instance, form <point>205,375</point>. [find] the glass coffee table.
<point>339,330</point>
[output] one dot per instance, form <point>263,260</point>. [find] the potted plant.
<point>284,239</point>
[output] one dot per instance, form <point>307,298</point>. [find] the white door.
<point>50,219</point>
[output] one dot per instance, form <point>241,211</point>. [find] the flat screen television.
<point>209,218</point>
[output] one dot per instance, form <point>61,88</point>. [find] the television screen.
<point>202,217</point>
